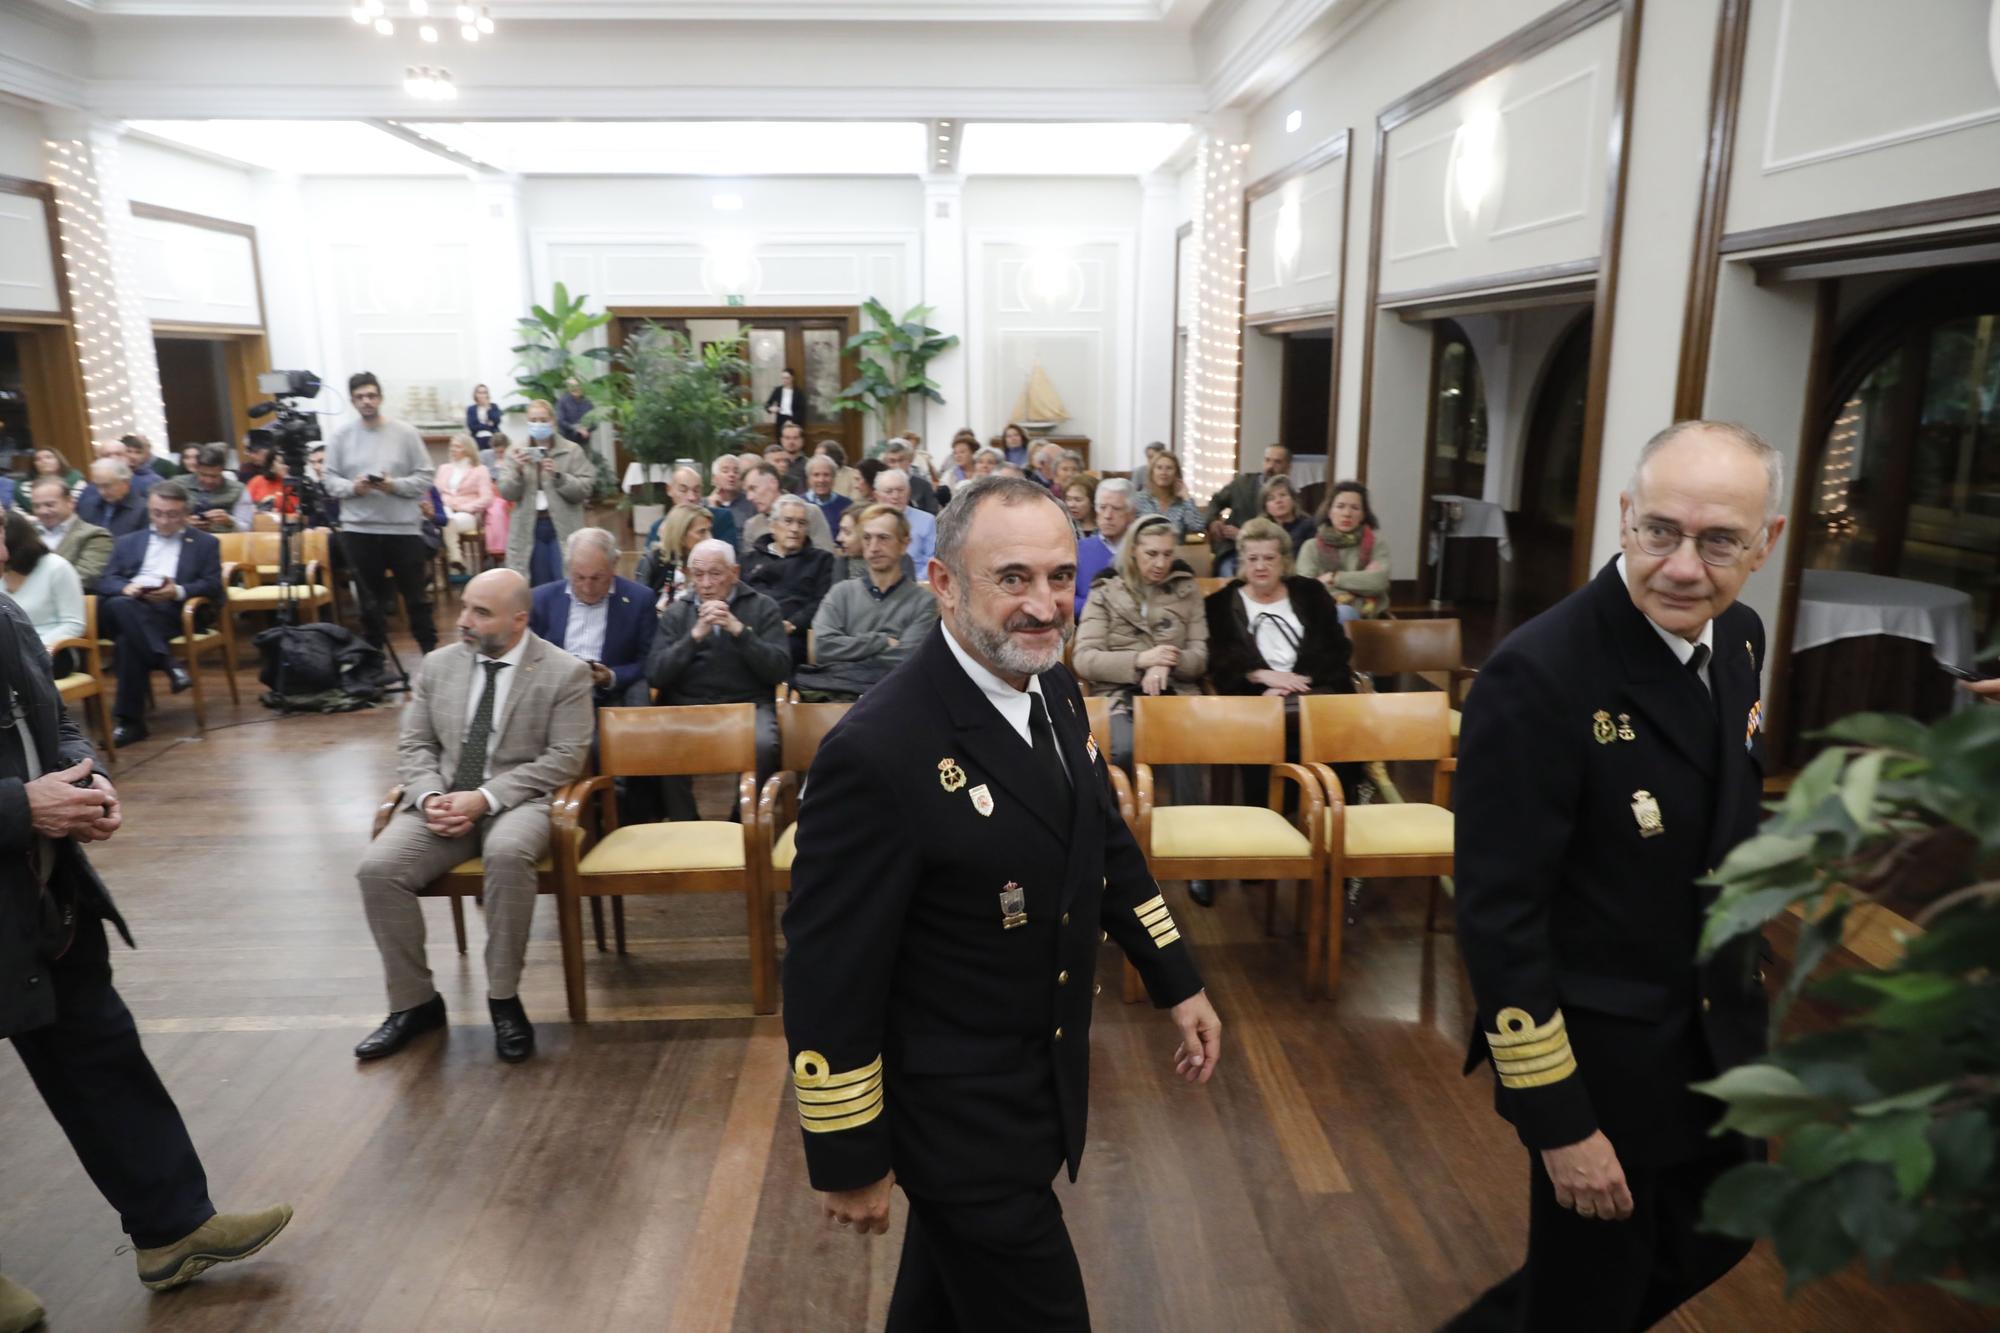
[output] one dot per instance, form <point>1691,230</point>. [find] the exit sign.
<point>734,300</point>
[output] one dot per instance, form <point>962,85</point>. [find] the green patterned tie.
<point>472,756</point>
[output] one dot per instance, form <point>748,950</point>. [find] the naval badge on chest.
<point>1013,906</point>
<point>1646,809</point>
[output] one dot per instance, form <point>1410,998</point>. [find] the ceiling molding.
<point>134,100</point>
<point>34,83</point>
<point>777,11</point>
<point>418,139</point>
<point>1296,35</point>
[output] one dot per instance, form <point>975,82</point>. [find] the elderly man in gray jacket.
<point>721,642</point>
<point>866,626</point>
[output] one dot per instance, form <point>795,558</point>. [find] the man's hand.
<point>1227,531</point>
<point>164,593</point>
<point>452,814</point>
<point>216,516</point>
<point>1201,1038</point>
<point>110,821</point>
<point>706,618</point>
<point>600,675</point>
<point>728,621</point>
<point>865,1209</point>
<point>1588,1179</point>
<point>548,467</point>
<point>59,808</point>
<point>363,486</point>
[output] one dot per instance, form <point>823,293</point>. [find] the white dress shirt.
<point>1012,704</point>
<point>583,637</point>
<point>1683,649</point>
<point>503,683</point>
<point>52,537</point>
<point>163,557</point>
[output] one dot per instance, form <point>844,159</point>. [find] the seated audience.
<point>684,488</point>
<point>1099,551</point>
<point>218,501</point>
<point>725,477</point>
<point>495,724</point>
<point>866,626</point>
<point>1279,502</point>
<point>1349,555</point>
<point>1046,457</point>
<point>900,454</point>
<point>109,502</point>
<point>185,457</point>
<point>1014,446</point>
<point>1236,504</point>
<point>662,568</point>
<point>722,642</point>
<point>864,485</point>
<point>892,488</point>
<point>267,492</point>
<point>846,481</point>
<point>152,572</point>
<point>1271,631</point>
<point>786,567</point>
<point>43,584</point>
<point>548,482</point>
<point>790,457</point>
<point>494,454</point>
<point>137,451</point>
<point>1163,492</point>
<point>86,546</point>
<point>821,491</point>
<point>464,484</point>
<point>964,447</point>
<point>1069,466</point>
<point>49,463</point>
<point>848,562</point>
<point>605,621</point>
<point>1080,498</point>
<point>986,461</point>
<point>763,486</point>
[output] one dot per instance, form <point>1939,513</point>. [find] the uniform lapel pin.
<point>1013,906</point>
<point>1601,729</point>
<point>982,800</point>
<point>950,776</point>
<point>1646,809</point>
<point>1625,732</point>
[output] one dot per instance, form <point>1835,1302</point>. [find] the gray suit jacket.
<point>88,548</point>
<point>542,736</point>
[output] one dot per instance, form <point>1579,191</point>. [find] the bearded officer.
<point>959,855</point>
<point>1612,756</point>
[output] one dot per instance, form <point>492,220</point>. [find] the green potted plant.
<point>674,402</point>
<point>551,356</point>
<point>1886,1119</point>
<point>893,367</point>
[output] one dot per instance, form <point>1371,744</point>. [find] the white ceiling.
<point>1040,149</point>
<point>1178,12</point>
<point>304,147</point>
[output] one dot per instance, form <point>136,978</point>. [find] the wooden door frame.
<point>245,356</point>
<point>51,374</point>
<point>1444,331</point>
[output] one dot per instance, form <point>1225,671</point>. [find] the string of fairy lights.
<point>113,337</point>
<point>1215,337</point>
<point>1836,476</point>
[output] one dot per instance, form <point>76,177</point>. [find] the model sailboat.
<point>1040,408</point>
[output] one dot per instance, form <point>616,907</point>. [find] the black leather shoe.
<point>1202,892</point>
<point>400,1028</point>
<point>513,1034</point>
<point>128,733</point>
<point>178,678</point>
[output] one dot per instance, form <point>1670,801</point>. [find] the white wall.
<point>21,136</point>
<point>157,174</point>
<point>1513,350</point>
<point>1292,243</point>
<point>195,275</point>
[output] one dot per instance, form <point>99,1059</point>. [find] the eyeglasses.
<point>1716,546</point>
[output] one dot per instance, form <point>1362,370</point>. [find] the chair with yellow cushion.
<point>1224,841</point>
<point>801,728</point>
<point>672,856</point>
<point>1098,709</point>
<point>255,555</point>
<point>1382,840</point>
<point>467,879</point>
<point>91,682</point>
<point>1433,649</point>
<point>194,644</point>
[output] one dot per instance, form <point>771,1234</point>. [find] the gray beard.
<point>999,648</point>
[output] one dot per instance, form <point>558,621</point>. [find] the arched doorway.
<point>1544,527</point>
<point>1458,415</point>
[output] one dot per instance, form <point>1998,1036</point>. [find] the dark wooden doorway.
<point>811,341</point>
<point>1306,401</point>
<point>194,389</point>
<point>1543,529</point>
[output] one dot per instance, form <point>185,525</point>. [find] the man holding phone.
<point>152,572</point>
<point>379,471</point>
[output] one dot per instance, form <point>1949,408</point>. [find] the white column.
<point>114,338</point>
<point>1215,341</point>
<point>501,292</point>
<point>284,262</point>
<point>1153,364</point>
<point>944,291</point>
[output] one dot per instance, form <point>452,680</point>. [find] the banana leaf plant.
<point>893,367</point>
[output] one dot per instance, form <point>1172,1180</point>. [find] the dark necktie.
<point>472,755</point>
<point>1694,666</point>
<point>1044,736</point>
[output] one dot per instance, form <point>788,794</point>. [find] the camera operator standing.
<point>378,470</point>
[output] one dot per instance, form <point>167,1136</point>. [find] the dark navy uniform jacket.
<point>1596,784</point>
<point>927,1035</point>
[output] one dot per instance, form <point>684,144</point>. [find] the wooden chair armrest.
<point>571,812</point>
<point>1312,805</point>
<point>188,608</point>
<point>81,645</point>
<point>1121,787</point>
<point>1142,782</point>
<point>775,789</point>
<point>231,570</point>
<point>386,811</point>
<point>1329,783</point>
<point>1461,676</point>
<point>746,800</point>
<point>1441,782</point>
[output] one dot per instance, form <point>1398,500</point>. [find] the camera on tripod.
<point>291,435</point>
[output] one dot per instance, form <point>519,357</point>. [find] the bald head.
<point>495,615</point>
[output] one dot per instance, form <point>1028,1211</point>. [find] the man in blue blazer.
<point>153,572</point>
<point>595,615</point>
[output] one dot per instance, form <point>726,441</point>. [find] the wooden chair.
<point>194,644</point>
<point>1198,556</point>
<point>1211,586</point>
<point>91,682</point>
<point>1099,711</point>
<point>1433,649</point>
<point>672,856</point>
<point>1382,840</point>
<point>467,879</point>
<point>1225,841</point>
<point>801,728</point>
<point>471,550</point>
<point>255,555</point>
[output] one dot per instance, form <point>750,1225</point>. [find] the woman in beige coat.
<point>1144,630</point>
<point>548,482</point>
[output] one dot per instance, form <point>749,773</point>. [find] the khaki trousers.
<point>409,856</point>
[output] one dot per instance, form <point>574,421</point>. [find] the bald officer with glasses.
<point>1612,755</point>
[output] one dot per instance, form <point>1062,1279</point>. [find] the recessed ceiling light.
<point>385,27</point>
<point>469,32</point>
<point>1293,120</point>
<point>428,33</point>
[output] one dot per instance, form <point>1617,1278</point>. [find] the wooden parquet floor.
<point>645,1172</point>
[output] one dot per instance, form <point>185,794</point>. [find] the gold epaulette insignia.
<point>1158,921</point>
<point>830,1101</point>
<point>1527,1056</point>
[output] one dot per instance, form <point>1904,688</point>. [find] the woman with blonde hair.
<point>548,481</point>
<point>1159,490</point>
<point>1279,502</point>
<point>663,565</point>
<point>465,485</point>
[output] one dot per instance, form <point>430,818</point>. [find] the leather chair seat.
<point>1398,830</point>
<point>1215,832</point>
<point>706,844</point>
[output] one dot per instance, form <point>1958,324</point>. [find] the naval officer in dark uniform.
<point>960,856</point>
<point>1612,755</point>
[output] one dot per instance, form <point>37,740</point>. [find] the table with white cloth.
<point>1479,543</point>
<point>1867,643</point>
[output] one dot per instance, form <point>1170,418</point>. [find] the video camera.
<point>295,431</point>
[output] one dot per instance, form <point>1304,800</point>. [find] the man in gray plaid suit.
<point>497,722</point>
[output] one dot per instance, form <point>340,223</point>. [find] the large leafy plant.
<point>896,355</point>
<point>672,400</point>
<point>1888,1116</point>
<point>552,352</point>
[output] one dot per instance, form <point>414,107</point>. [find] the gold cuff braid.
<point>829,1102</point>
<point>1527,1055</point>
